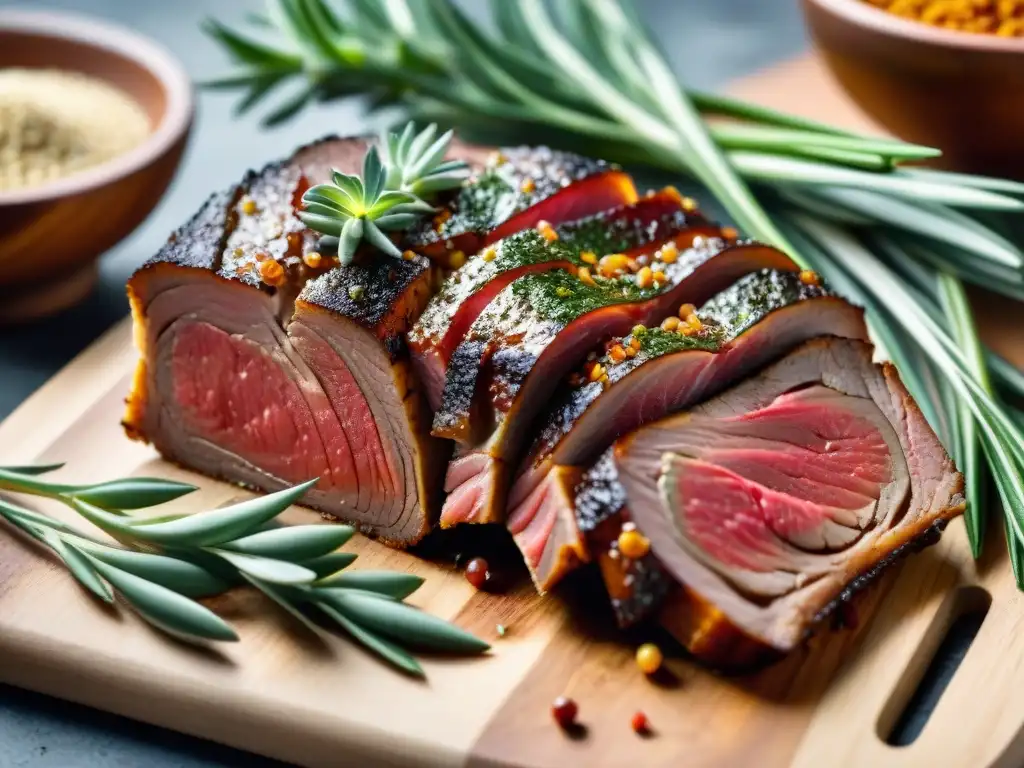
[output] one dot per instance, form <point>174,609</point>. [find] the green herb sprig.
<point>387,198</point>
<point>590,78</point>
<point>161,565</point>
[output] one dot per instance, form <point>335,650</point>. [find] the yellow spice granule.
<point>644,278</point>
<point>272,273</point>
<point>1004,18</point>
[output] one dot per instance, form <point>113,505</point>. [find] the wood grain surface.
<point>279,693</point>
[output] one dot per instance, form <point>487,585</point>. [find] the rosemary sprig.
<point>591,79</point>
<point>163,564</point>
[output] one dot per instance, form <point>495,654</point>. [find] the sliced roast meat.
<point>269,383</point>
<point>518,188</point>
<point>634,229</point>
<point>649,374</point>
<point>768,501</point>
<point>538,329</point>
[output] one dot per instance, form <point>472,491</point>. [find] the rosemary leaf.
<point>297,544</point>
<point>163,608</point>
<point>389,583</point>
<point>131,493</point>
<point>267,569</point>
<point>250,50</point>
<point>181,576</point>
<point>33,469</point>
<point>331,564</point>
<point>78,564</point>
<point>764,167</point>
<point>383,647</point>
<point>15,514</point>
<point>401,622</point>
<point>285,598</point>
<point>927,222</point>
<point>203,529</point>
<point>957,308</point>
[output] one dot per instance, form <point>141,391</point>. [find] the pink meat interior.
<point>803,471</point>
<point>265,409</point>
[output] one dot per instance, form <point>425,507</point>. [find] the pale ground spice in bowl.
<point>54,124</point>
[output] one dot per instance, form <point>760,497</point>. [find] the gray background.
<point>709,41</point>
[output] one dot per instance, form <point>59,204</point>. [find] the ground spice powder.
<point>54,124</point>
<point>1004,18</point>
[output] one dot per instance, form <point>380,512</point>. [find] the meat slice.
<point>768,501</point>
<point>532,335</point>
<point>634,229</point>
<point>518,188</point>
<point>760,318</point>
<point>269,385</point>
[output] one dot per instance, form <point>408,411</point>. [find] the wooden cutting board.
<point>281,694</point>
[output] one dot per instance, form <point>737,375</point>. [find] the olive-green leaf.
<point>373,175</point>
<point>78,564</point>
<point>330,564</point>
<point>267,569</point>
<point>16,512</point>
<point>390,583</point>
<point>131,493</point>
<point>183,577</point>
<point>207,529</point>
<point>295,543</point>
<point>401,622</point>
<point>164,608</point>
<point>33,469</point>
<point>348,241</point>
<point>383,647</point>
<point>284,598</point>
<point>26,483</point>
<point>379,240</point>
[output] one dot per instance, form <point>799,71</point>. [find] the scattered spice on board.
<point>477,572</point>
<point>565,711</point>
<point>1004,18</point>
<point>54,124</point>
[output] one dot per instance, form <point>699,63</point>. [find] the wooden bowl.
<point>52,235</point>
<point>961,92</point>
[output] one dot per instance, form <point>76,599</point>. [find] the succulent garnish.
<point>161,565</point>
<point>349,209</point>
<point>389,197</point>
<point>415,162</point>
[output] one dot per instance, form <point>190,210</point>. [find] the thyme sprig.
<point>591,79</point>
<point>162,565</point>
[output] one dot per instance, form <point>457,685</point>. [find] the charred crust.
<point>369,293</point>
<point>460,387</point>
<point>599,494</point>
<point>648,586</point>
<point>199,243</point>
<point>925,539</point>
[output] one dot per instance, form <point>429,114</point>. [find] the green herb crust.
<point>525,177</point>
<point>724,318</point>
<point>524,319</point>
<point>647,222</point>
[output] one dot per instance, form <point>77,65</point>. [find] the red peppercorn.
<point>477,572</point>
<point>564,711</point>
<point>640,724</point>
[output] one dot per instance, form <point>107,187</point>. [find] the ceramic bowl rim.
<point>148,54</point>
<point>861,14</point>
